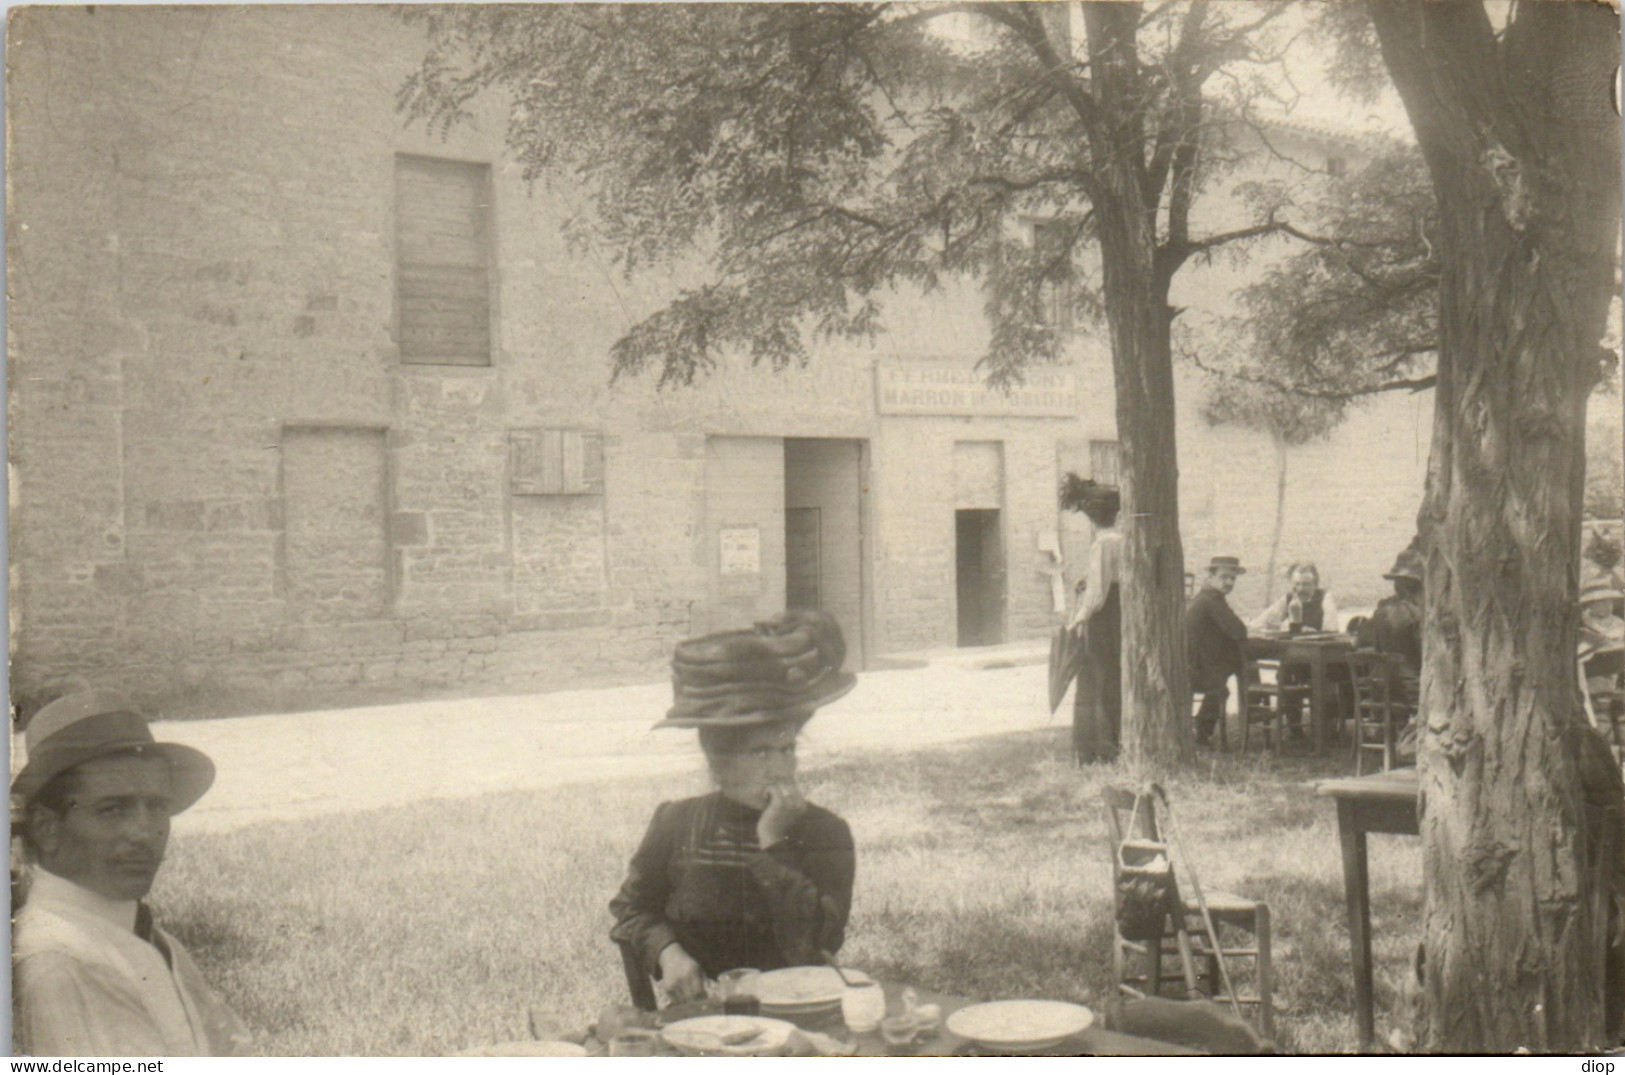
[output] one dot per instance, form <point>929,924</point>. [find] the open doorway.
<point>979,560</point>
<point>823,534</point>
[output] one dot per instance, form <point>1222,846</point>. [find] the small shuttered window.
<point>556,462</point>
<point>1105,461</point>
<point>442,261</point>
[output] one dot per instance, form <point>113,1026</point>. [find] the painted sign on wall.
<point>916,387</point>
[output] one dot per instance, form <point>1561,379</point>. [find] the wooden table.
<point>1381,802</point>
<point>1318,654</point>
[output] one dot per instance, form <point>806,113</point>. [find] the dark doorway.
<point>803,567</point>
<point>823,534</point>
<point>979,556</point>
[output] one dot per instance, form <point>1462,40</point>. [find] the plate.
<point>1020,1025</point>
<point>719,1035</point>
<point>803,988</point>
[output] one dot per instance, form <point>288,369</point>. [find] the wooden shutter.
<point>1105,461</point>
<point>556,462</point>
<point>442,269</point>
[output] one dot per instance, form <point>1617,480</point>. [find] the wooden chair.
<point>1142,968</point>
<point>1265,701</point>
<point>1379,713</point>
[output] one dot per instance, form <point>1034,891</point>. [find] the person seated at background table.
<point>1395,626</point>
<point>751,875</point>
<point>1304,607</point>
<point>91,973</point>
<point>1215,638</point>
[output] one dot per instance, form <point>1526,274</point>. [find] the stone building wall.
<point>229,491</point>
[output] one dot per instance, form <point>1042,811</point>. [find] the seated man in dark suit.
<point>1214,642</point>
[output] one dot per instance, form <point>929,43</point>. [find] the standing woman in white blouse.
<point>1097,707</point>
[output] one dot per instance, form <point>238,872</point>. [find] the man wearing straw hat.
<point>91,974</point>
<point>1214,637</point>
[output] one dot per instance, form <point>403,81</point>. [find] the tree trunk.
<point>1525,157</point>
<point>1156,695</point>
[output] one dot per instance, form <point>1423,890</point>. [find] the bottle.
<point>1294,615</point>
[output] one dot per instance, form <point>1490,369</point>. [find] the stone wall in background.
<point>229,493</point>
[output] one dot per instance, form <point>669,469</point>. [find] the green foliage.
<point>819,155</point>
<point>1352,315</point>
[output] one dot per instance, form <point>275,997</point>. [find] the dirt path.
<point>308,764</point>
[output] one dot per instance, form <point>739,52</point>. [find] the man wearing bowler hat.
<point>91,974</point>
<point>1214,641</point>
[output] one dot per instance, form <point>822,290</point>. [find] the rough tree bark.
<point>1524,152</point>
<point>1136,277</point>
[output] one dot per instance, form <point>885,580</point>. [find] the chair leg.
<point>1154,972</point>
<point>1261,937</point>
<point>1187,962</point>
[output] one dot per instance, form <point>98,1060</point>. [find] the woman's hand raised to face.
<point>680,976</point>
<point>785,805</point>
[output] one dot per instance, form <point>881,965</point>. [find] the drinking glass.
<point>863,1006</point>
<point>738,989</point>
<point>899,1029</point>
<point>633,1041</point>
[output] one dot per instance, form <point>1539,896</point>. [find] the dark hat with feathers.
<point>1100,502</point>
<point>780,669</point>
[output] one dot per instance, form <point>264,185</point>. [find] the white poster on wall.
<point>740,550</point>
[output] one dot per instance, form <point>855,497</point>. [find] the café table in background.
<point>1381,802</point>
<point>1319,652</point>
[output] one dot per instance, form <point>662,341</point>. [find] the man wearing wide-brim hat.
<point>1396,622</point>
<point>1215,638</point>
<point>91,974</point>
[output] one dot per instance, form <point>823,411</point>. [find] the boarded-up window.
<point>556,462</point>
<point>442,261</point>
<point>1105,461</point>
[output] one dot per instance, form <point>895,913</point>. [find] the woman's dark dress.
<point>700,880</point>
<point>1097,708</point>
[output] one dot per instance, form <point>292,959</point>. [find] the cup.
<point>899,1029</point>
<point>633,1041</point>
<point>738,991</point>
<point>863,1007</point>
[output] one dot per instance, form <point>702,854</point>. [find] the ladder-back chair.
<point>1142,967</point>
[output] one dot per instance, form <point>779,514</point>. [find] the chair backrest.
<point>1372,673</point>
<point>1122,821</point>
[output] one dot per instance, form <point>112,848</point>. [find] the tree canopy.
<point>820,155</point>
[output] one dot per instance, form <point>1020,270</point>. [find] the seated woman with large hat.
<point>751,875</point>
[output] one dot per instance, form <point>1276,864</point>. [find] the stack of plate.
<point>803,992</point>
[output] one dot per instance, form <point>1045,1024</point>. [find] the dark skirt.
<point>1097,707</point>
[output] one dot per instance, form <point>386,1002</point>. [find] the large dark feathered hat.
<point>1099,502</point>
<point>780,669</point>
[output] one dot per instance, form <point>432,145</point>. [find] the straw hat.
<point>1232,563</point>
<point>780,669</point>
<point>80,727</point>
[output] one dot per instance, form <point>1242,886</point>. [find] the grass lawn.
<point>983,870</point>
